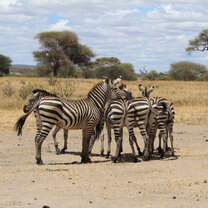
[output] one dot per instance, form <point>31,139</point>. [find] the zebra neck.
<point>99,101</point>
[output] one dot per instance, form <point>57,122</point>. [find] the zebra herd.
<point>106,104</point>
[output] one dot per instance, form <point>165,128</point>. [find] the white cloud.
<point>60,25</point>
<point>151,33</point>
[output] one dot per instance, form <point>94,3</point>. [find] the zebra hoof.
<point>39,161</point>
<point>140,153</point>
<point>62,151</point>
<point>58,152</point>
<point>135,159</point>
<point>114,159</point>
<point>162,154</point>
<point>107,155</point>
<point>145,158</point>
<point>102,154</point>
<point>85,160</point>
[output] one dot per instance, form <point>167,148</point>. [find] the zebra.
<point>37,95</point>
<point>122,93</point>
<point>82,114</point>
<point>164,121</point>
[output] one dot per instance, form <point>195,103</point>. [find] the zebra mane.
<point>44,93</point>
<point>96,85</point>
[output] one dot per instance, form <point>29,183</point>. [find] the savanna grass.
<point>190,99</point>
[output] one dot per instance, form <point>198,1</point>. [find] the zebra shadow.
<point>79,153</point>
<point>167,156</point>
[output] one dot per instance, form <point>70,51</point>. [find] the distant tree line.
<point>62,55</point>
<point>184,71</point>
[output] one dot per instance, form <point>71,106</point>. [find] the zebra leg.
<point>109,141</point>
<point>131,142</point>
<point>54,139</point>
<point>131,132</point>
<point>65,141</point>
<point>121,146</point>
<point>87,134</point>
<point>91,144</point>
<point>146,154</point>
<point>160,151</point>
<point>171,140</point>
<point>40,137</point>
<point>118,146</point>
<point>102,143</point>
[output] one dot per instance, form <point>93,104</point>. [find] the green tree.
<point>186,71</point>
<point>200,43</point>
<point>105,62</point>
<point>62,51</point>
<point>5,63</point>
<point>125,70</point>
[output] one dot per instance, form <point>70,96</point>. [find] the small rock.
<point>35,198</point>
<point>205,181</point>
<point>197,200</point>
<point>129,181</point>
<point>45,206</point>
<point>90,202</point>
<point>206,140</point>
<point>174,197</point>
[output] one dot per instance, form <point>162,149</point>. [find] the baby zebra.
<point>82,114</point>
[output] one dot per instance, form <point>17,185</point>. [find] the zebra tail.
<point>21,121</point>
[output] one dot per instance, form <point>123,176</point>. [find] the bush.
<point>7,89</point>
<point>65,91</point>
<point>27,90</point>
<point>203,77</point>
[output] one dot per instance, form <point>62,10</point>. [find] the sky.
<point>150,34</point>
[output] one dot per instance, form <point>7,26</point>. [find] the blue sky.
<point>151,34</point>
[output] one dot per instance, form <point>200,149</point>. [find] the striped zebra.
<point>164,121</point>
<point>38,94</point>
<point>122,93</point>
<point>82,114</point>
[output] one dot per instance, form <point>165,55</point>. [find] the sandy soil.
<point>65,183</point>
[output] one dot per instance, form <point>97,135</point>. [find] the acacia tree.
<point>200,43</point>
<point>186,71</point>
<point>62,50</point>
<point>5,63</point>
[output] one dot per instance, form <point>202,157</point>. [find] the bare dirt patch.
<point>63,182</point>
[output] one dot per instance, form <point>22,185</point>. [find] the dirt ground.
<point>63,182</point>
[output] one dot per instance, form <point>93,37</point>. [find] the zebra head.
<point>113,91</point>
<point>125,92</point>
<point>36,97</point>
<point>145,92</point>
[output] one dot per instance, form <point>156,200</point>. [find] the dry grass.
<point>190,99</point>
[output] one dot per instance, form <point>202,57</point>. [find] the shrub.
<point>27,89</point>
<point>7,89</point>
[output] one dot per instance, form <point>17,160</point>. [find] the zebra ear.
<point>106,80</point>
<point>150,89</point>
<point>122,86</point>
<point>116,81</point>
<point>141,88</point>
